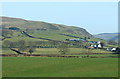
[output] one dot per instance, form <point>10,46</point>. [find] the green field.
<point>56,51</point>
<point>73,51</point>
<point>59,67</point>
<point>54,35</point>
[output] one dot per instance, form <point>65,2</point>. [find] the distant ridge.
<point>108,36</point>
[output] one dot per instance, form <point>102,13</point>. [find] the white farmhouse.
<point>99,46</point>
<point>113,49</point>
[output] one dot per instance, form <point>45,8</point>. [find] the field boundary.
<point>53,55</point>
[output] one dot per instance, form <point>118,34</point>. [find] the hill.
<point>16,29</point>
<point>108,36</point>
<point>39,25</point>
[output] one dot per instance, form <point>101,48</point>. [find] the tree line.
<point>30,46</point>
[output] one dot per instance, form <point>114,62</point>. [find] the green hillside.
<point>44,34</point>
<point>38,25</point>
<point>39,29</point>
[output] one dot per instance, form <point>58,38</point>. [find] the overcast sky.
<point>95,17</point>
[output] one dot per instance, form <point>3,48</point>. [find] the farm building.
<point>94,44</point>
<point>112,49</point>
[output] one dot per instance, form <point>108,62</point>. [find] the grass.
<point>103,55</point>
<point>59,67</point>
<point>7,51</point>
<point>71,50</point>
<point>55,51</point>
<point>54,35</point>
<point>14,39</point>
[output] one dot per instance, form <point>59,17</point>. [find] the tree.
<point>63,48</point>
<point>118,50</point>
<point>78,43</point>
<point>7,43</point>
<point>22,49</point>
<point>86,44</point>
<point>13,44</point>
<point>88,37</point>
<point>53,43</point>
<point>31,49</point>
<point>14,28</point>
<point>102,44</point>
<point>22,46</point>
<point>87,51</point>
<point>85,38</point>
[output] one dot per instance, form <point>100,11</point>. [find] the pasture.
<point>72,52</point>
<point>59,67</point>
<point>56,51</point>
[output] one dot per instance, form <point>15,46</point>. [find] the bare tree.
<point>22,46</point>
<point>63,48</point>
<point>22,49</point>
<point>87,51</point>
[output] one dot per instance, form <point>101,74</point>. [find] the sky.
<point>95,17</point>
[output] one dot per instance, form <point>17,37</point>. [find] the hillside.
<point>108,36</point>
<point>15,29</point>
<point>39,25</point>
<point>44,35</point>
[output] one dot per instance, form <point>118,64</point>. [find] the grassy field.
<point>19,36</point>
<point>71,50</point>
<point>59,67</point>
<point>55,51</point>
<point>54,35</point>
